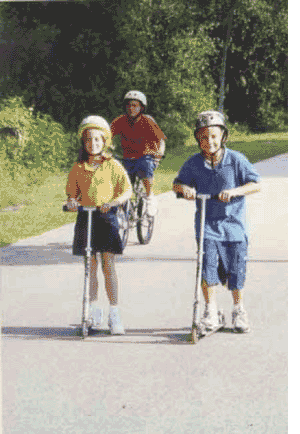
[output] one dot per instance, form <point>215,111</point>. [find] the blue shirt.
<point>224,221</point>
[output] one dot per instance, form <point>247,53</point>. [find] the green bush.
<point>44,143</point>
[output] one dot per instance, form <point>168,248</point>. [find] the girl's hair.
<point>82,155</point>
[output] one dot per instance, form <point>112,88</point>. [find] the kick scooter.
<point>86,322</point>
<point>198,329</point>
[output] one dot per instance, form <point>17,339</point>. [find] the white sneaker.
<point>115,323</point>
<point>151,203</point>
<point>240,321</point>
<point>210,319</point>
<point>96,317</point>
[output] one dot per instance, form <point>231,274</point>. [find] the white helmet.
<point>211,118</point>
<point>138,96</point>
<point>96,122</point>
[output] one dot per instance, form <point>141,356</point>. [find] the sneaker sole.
<point>240,330</point>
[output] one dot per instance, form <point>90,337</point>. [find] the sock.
<point>114,308</point>
<point>238,306</point>
<point>212,305</point>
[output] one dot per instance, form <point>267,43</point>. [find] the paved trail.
<point>152,381</point>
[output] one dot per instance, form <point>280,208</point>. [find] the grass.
<point>36,208</point>
<point>41,212</point>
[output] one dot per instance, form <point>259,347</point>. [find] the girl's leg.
<point>95,311</point>
<point>111,285</point>
<point>110,277</point>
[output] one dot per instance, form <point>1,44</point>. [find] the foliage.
<point>83,59</point>
<point>256,78</point>
<point>44,144</point>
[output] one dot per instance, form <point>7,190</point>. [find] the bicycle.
<point>133,214</point>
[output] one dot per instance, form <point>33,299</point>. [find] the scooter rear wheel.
<point>122,216</point>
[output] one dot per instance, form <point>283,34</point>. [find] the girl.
<point>99,180</point>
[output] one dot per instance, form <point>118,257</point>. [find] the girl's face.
<point>93,141</point>
<point>133,108</point>
<point>210,139</point>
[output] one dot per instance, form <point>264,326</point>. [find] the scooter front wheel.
<point>195,334</point>
<point>85,329</point>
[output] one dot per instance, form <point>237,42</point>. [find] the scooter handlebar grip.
<point>66,209</point>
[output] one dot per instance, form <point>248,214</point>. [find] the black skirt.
<point>105,233</point>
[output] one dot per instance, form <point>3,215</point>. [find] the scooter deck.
<point>199,331</point>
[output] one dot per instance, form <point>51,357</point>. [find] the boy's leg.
<point>210,316</point>
<point>111,285</point>
<point>148,184</point>
<point>209,293</point>
<point>145,169</point>
<point>237,253</point>
<point>210,281</point>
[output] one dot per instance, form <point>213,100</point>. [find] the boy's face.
<point>133,108</point>
<point>93,141</point>
<point>210,139</point>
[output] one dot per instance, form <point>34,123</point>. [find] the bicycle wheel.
<point>145,223</point>
<point>122,216</point>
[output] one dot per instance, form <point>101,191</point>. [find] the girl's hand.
<point>72,205</point>
<point>226,195</point>
<point>105,207</point>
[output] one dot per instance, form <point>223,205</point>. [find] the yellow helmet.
<point>98,123</point>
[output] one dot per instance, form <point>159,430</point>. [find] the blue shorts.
<point>225,262</point>
<point>143,167</point>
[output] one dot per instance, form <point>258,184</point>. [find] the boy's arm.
<point>243,190</point>
<point>184,184</point>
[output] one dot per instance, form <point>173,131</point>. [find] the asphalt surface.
<point>152,380</point>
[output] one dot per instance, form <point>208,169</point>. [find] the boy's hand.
<point>189,193</point>
<point>226,195</point>
<point>72,205</point>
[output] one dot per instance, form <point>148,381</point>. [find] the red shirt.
<point>139,138</point>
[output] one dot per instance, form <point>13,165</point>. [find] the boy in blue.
<point>227,174</point>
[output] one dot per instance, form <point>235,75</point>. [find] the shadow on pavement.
<point>56,253</point>
<point>168,336</point>
<point>61,253</point>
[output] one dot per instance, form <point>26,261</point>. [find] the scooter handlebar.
<point>200,196</point>
<point>80,208</point>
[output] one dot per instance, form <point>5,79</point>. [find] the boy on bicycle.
<point>98,180</point>
<point>142,142</point>
<point>217,170</point>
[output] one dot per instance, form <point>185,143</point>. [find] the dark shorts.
<point>105,233</point>
<point>225,262</point>
<point>143,167</point>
